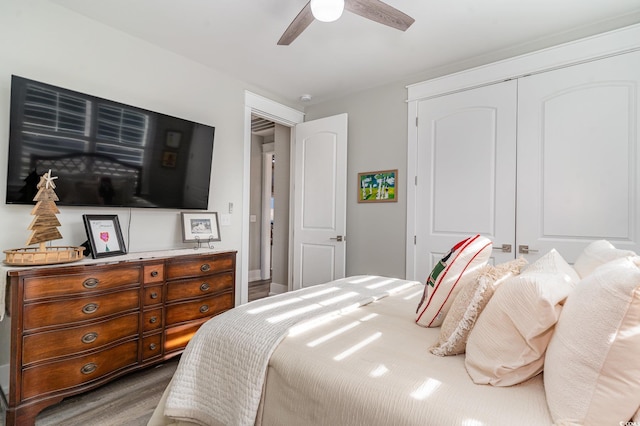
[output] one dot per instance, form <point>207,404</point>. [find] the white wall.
<point>45,42</point>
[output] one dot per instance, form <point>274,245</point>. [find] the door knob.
<point>524,249</point>
<point>338,238</point>
<point>505,248</point>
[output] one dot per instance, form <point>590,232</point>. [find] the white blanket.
<point>221,374</point>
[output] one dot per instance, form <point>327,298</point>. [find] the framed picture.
<point>378,187</point>
<point>200,227</point>
<point>169,159</point>
<point>173,139</point>
<point>104,234</point>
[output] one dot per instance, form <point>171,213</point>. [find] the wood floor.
<point>129,400</point>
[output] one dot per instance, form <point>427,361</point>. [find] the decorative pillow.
<point>508,342</point>
<point>448,275</point>
<point>636,417</point>
<point>468,304</point>
<point>598,253</point>
<point>592,367</point>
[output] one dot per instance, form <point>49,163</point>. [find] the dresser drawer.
<point>177,337</point>
<point>86,308</point>
<point>152,295</point>
<point>57,376</point>
<point>68,341</point>
<point>151,346</point>
<point>199,266</point>
<point>198,287</point>
<point>86,280</point>
<point>152,320</point>
<point>207,307</point>
<point>153,273</point>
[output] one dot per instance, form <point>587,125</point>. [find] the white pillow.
<point>592,365</point>
<point>508,342</point>
<point>598,253</point>
<point>447,277</point>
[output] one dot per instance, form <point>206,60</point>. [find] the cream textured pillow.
<point>507,344</point>
<point>592,367</point>
<point>636,417</point>
<point>598,253</point>
<point>448,276</point>
<point>468,304</point>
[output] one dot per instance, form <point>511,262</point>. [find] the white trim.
<point>276,288</point>
<point>278,113</point>
<point>266,108</point>
<point>584,50</point>
<point>412,161</point>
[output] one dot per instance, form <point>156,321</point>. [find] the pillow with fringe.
<point>468,305</point>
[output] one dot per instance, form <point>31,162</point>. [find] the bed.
<point>343,353</point>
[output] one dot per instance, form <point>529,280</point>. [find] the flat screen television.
<point>104,153</point>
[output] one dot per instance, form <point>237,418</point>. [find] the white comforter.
<point>220,377</point>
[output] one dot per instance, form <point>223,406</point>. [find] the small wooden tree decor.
<point>44,227</point>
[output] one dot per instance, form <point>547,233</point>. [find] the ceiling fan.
<point>331,10</point>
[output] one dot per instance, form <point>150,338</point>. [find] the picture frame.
<point>169,159</point>
<point>104,235</point>
<point>202,227</point>
<point>173,139</point>
<point>378,186</point>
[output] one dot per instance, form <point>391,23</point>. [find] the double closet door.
<point>546,161</point>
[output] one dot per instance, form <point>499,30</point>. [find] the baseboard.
<point>276,288</point>
<point>254,275</point>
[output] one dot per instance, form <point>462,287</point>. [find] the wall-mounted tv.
<point>104,153</point>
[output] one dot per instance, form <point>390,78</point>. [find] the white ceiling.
<point>239,37</point>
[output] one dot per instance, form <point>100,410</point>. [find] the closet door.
<point>578,157</point>
<point>465,172</point>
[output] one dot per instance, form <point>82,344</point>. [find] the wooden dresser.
<point>79,326</point>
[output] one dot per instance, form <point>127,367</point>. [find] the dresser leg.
<point>26,414</point>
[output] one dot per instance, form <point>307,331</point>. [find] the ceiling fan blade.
<point>297,26</point>
<point>380,12</point>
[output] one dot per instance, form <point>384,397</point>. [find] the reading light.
<point>327,10</point>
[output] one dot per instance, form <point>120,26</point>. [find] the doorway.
<point>269,208</point>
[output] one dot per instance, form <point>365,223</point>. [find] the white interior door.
<point>466,159</point>
<point>320,220</point>
<point>578,157</point>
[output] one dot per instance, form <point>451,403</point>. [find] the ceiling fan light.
<point>327,10</point>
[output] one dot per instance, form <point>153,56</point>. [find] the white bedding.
<point>220,378</point>
<point>371,366</point>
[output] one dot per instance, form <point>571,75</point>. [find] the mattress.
<point>371,366</point>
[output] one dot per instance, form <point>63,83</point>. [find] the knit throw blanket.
<point>221,374</point>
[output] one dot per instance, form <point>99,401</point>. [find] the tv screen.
<point>104,153</point>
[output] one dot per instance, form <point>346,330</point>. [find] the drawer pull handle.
<point>204,308</point>
<point>205,267</point>
<point>153,346</point>
<point>154,273</point>
<point>90,308</point>
<point>90,337</point>
<point>88,368</point>
<point>90,283</point>
<point>204,286</point>
<point>154,295</point>
<point>153,320</point>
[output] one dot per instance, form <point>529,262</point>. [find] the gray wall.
<point>280,261</point>
<point>377,140</point>
<point>255,202</point>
